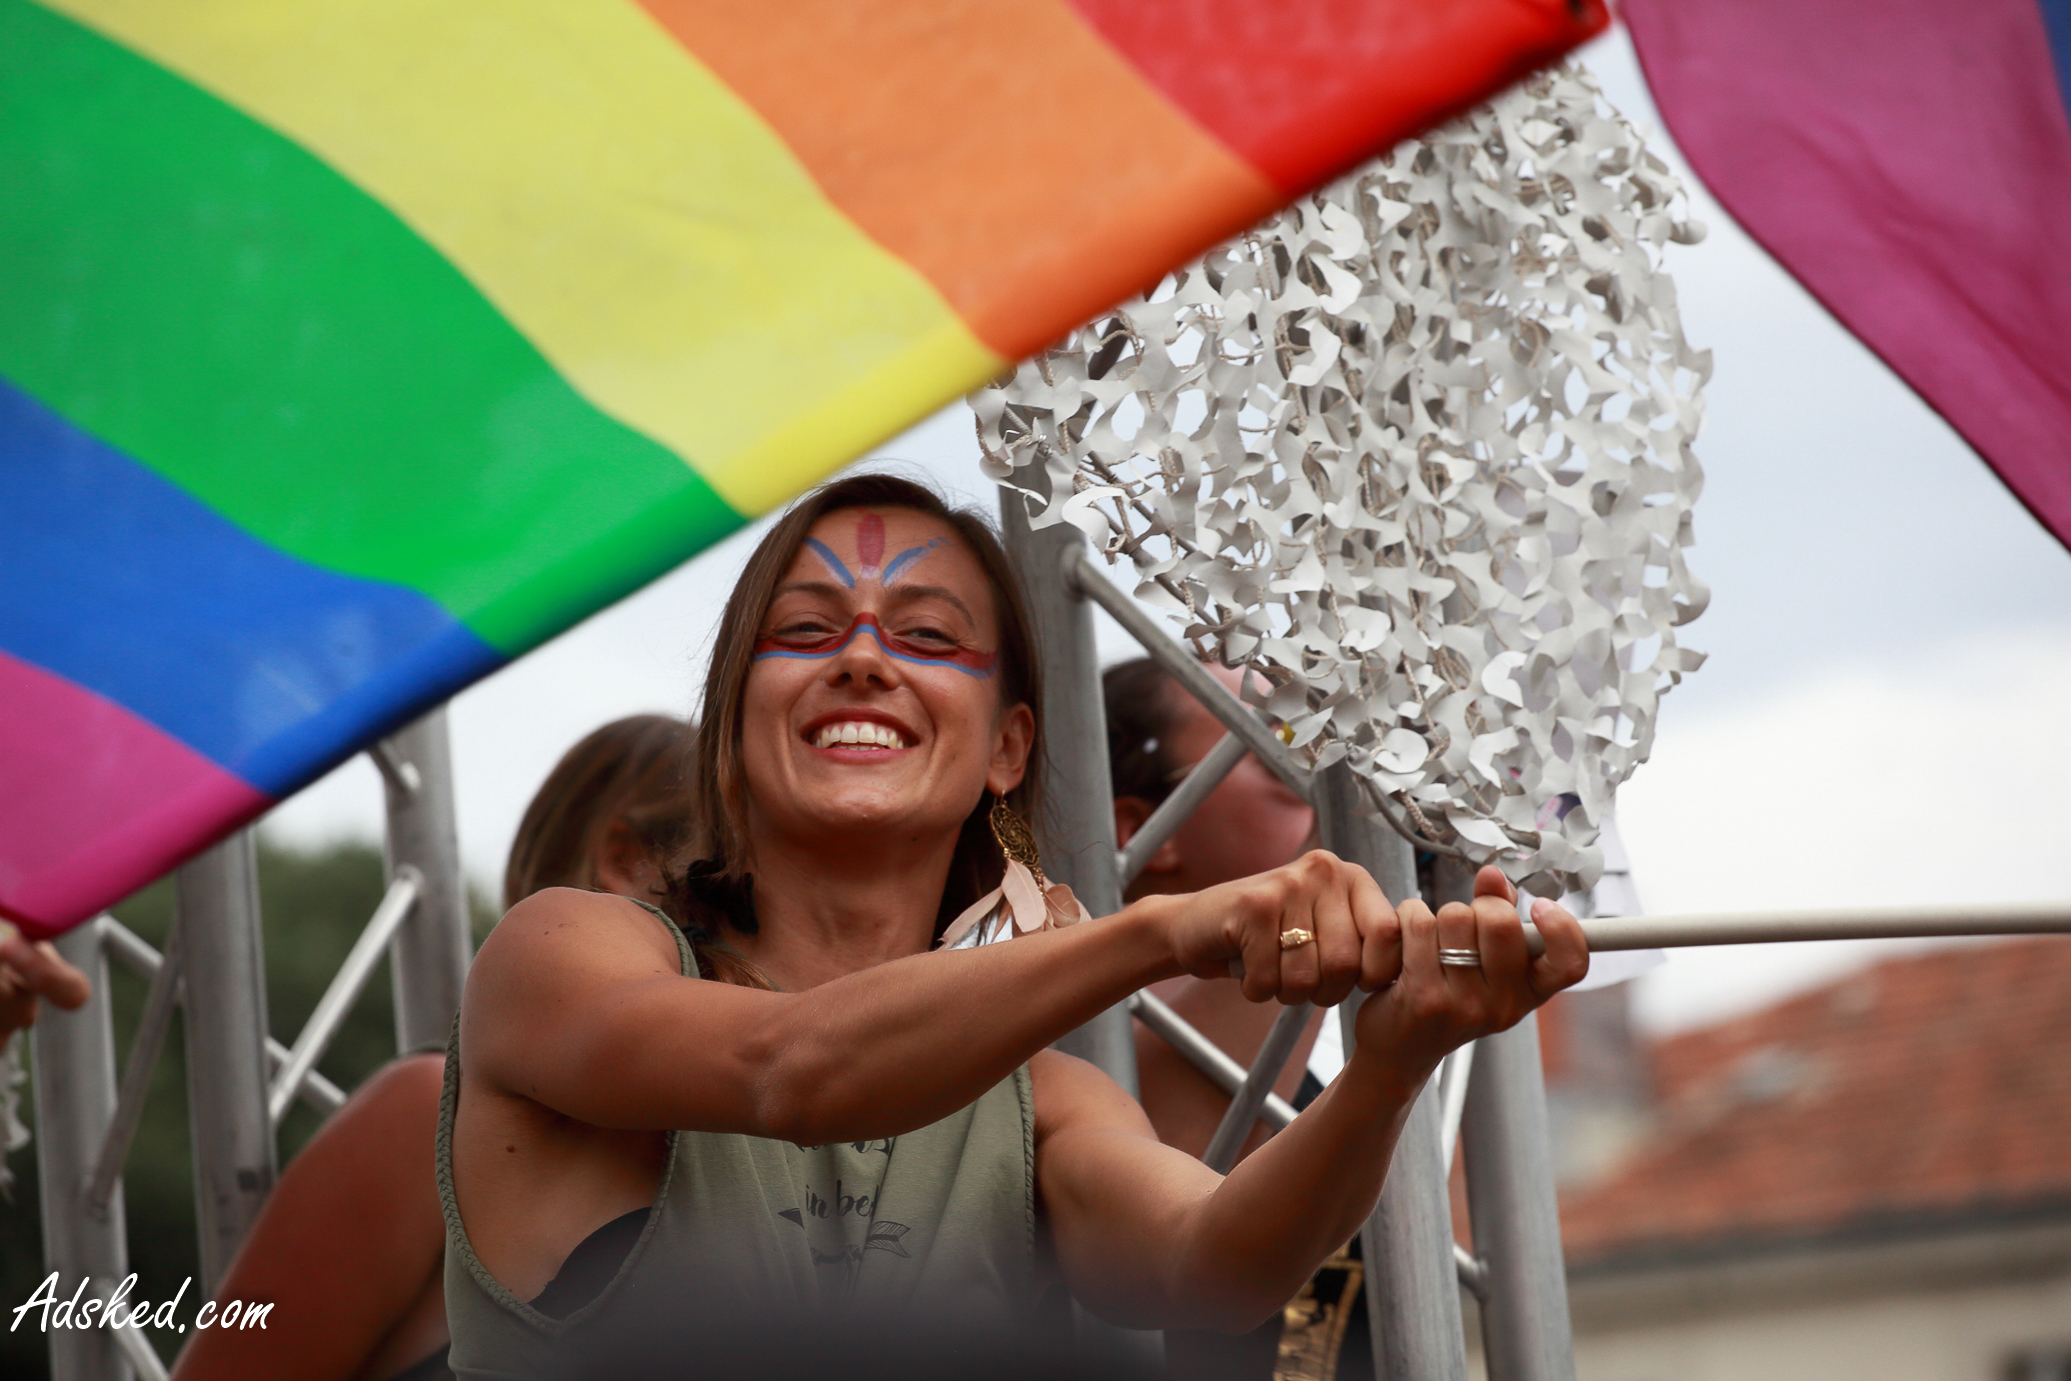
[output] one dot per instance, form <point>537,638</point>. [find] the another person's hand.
<point>32,969</point>
<point>1432,1009</point>
<point>1238,927</point>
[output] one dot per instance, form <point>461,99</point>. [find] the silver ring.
<point>1460,958</point>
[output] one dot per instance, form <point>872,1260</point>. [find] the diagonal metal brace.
<point>1205,1055</point>
<point>336,1003</point>
<point>1172,812</point>
<point>144,1049</point>
<point>141,958</point>
<point>1182,666</point>
<point>1250,1096</point>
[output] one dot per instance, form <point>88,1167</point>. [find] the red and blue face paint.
<point>902,649</point>
<point>875,569</point>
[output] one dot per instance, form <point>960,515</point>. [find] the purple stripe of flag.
<point>1910,163</point>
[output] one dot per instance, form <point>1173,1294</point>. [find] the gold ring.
<point>1294,939</point>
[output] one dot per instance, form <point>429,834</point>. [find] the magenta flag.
<point>1910,163</point>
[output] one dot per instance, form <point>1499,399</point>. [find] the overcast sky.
<point>1882,720</point>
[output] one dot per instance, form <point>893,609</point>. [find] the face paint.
<point>832,562</point>
<point>901,649</point>
<point>906,559</point>
<point>870,546</point>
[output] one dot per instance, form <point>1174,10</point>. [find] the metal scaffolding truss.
<point>240,1081</point>
<point>1413,1269</point>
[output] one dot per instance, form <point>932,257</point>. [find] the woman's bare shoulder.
<point>563,936</point>
<point>559,919</point>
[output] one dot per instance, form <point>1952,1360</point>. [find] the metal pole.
<point>75,1101</point>
<point>336,1003</point>
<point>1851,923</point>
<point>1235,1128</point>
<point>428,958</point>
<point>234,1164</point>
<point>144,1047</point>
<point>1516,1216</point>
<point>1176,661</point>
<point>1412,1283</point>
<point>1078,831</point>
<point>1204,777</point>
<point>1511,1200</point>
<point>1205,1055</point>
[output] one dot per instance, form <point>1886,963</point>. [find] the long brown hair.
<point>631,770</point>
<point>713,872</point>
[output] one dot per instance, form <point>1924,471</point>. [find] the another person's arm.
<point>1149,1236</point>
<point>348,1249</point>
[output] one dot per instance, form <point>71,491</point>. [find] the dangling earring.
<point>1016,840</point>
<point>1029,901</point>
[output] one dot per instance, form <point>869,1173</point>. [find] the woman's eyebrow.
<point>807,587</point>
<point>906,594</point>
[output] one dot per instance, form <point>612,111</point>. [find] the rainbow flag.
<point>349,350</point>
<point>1911,165</point>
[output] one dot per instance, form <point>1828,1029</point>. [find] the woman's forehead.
<point>886,546</point>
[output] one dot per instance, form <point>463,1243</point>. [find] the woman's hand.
<point>1432,1009</point>
<point>1237,926</point>
<point>30,970</point>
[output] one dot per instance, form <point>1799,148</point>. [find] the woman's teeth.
<point>858,734</point>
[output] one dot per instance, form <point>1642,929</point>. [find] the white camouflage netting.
<point>1418,452</point>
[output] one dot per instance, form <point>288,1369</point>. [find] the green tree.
<point>314,904</point>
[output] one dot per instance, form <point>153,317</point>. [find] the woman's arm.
<point>576,1003</point>
<point>1150,1237</point>
<point>347,1251</point>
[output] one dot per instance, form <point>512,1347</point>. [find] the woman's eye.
<point>928,635</point>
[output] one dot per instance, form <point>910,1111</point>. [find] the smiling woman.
<point>855,1121</point>
<point>820,591</point>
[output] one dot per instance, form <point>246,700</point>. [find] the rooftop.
<point>1933,1089</point>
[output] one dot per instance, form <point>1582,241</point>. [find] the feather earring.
<point>1026,899</point>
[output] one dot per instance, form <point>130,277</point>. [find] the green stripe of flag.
<point>205,295</point>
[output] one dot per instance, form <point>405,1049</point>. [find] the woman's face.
<point>872,710</point>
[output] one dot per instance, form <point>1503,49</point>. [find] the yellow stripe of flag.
<point>616,201</point>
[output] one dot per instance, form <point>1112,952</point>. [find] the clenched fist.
<point>1424,1009</point>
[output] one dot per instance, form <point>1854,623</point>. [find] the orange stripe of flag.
<point>1000,147</point>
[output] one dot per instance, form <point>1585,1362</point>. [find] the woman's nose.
<point>863,658</point>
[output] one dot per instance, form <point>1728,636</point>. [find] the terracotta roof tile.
<point>1934,1082</point>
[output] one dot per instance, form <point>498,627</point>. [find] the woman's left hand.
<point>1432,1009</point>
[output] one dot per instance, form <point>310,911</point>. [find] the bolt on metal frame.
<point>240,1080</point>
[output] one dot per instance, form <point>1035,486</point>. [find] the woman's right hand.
<point>1237,926</point>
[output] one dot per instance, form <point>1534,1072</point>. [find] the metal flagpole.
<point>225,1014</point>
<point>428,958</point>
<point>75,1101</point>
<point>1412,1283</point>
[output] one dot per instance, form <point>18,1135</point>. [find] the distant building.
<point>1871,1180</point>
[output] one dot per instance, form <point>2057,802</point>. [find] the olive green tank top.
<point>745,1228</point>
